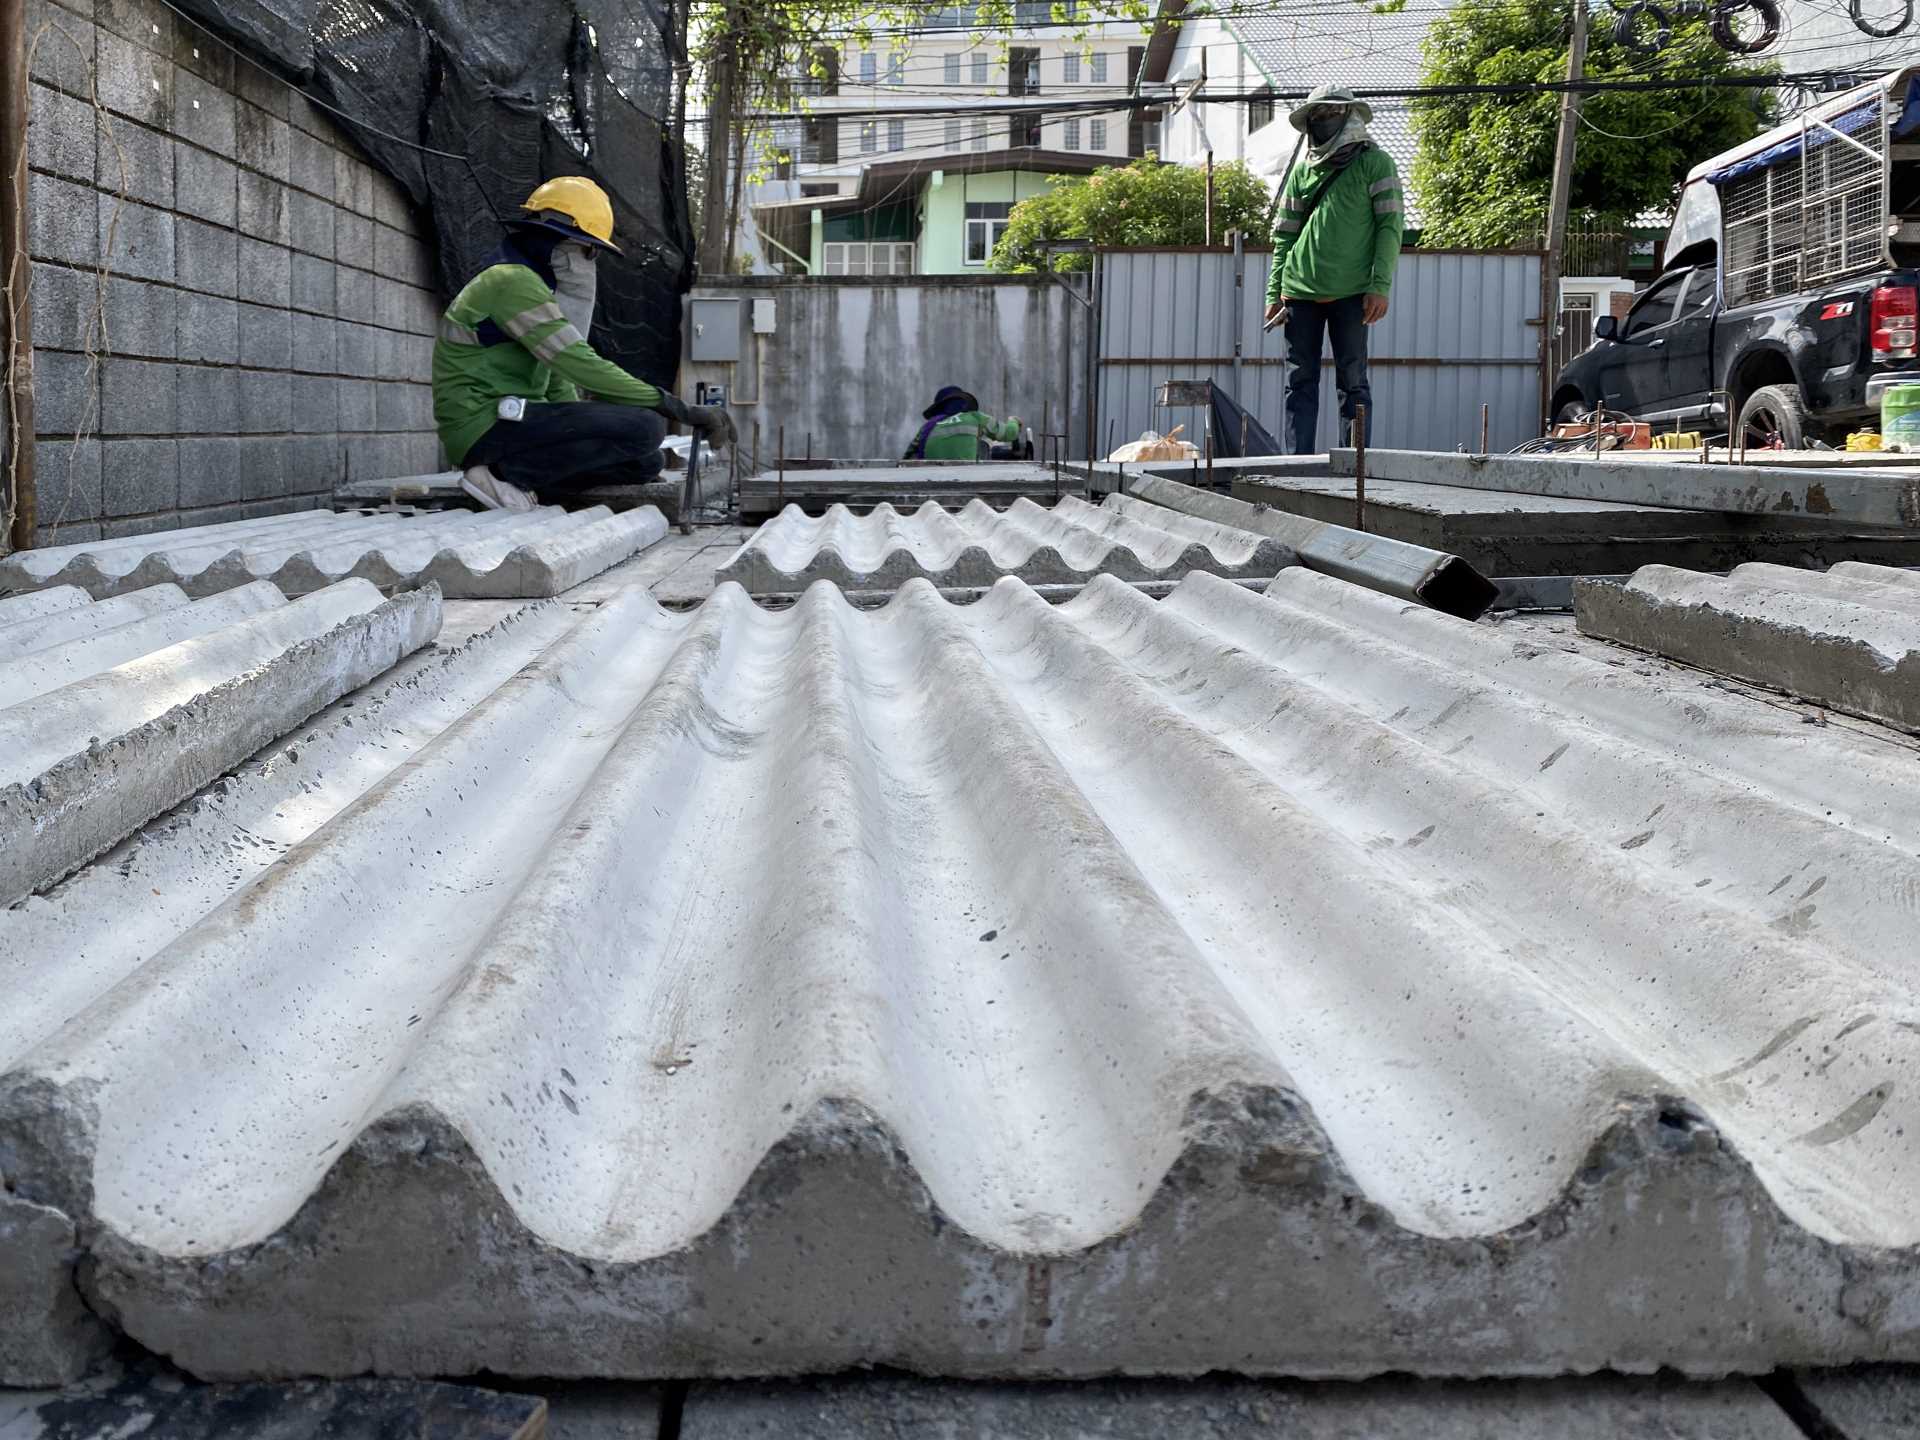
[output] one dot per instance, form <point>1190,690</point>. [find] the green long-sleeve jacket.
<point>1350,243</point>
<point>504,335</point>
<point>962,436</point>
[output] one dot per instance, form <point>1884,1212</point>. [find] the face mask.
<point>574,280</point>
<point>1324,127</point>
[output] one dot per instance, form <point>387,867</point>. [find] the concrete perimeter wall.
<point>852,362</point>
<point>232,308</point>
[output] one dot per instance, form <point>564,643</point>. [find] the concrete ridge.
<point>1065,544</point>
<point>468,554</point>
<point>1848,638</point>
<point>1307,983</point>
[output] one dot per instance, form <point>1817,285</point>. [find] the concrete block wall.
<point>232,309</point>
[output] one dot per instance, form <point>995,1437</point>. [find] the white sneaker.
<point>493,492</point>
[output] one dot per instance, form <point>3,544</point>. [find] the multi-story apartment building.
<point>915,147</point>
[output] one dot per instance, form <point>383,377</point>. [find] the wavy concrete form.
<point>1067,544</point>
<point>1307,983</point>
<point>470,555</point>
<point>112,712</point>
<point>1848,638</point>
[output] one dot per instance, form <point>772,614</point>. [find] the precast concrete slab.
<point>818,487</point>
<point>470,555</point>
<point>885,1407</point>
<point>1066,544</point>
<point>1848,638</point>
<point>1300,984</point>
<point>113,712</point>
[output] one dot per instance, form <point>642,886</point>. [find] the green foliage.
<point>1144,203</point>
<point>1484,167</point>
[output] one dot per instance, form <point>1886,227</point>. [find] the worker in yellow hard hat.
<point>512,364</point>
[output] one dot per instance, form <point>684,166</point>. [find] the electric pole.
<point>1562,193</point>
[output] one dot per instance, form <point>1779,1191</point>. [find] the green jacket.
<point>959,437</point>
<point>1351,241</point>
<point>535,354</point>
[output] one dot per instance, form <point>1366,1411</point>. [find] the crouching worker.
<point>512,362</point>
<point>957,429</point>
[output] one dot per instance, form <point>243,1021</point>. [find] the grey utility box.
<point>714,330</point>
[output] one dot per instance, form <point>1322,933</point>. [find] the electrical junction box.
<point>763,317</point>
<point>707,393</point>
<point>714,331</point>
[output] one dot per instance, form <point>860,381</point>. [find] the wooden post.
<point>1485,416</point>
<point>16,270</point>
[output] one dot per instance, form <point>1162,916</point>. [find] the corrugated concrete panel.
<point>1848,638</point>
<point>1065,545</point>
<point>1880,1402</point>
<point>104,725</point>
<point>1301,984</point>
<point>1455,338</point>
<point>470,555</point>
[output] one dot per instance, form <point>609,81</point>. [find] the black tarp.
<point>519,93</point>
<point>1232,425</point>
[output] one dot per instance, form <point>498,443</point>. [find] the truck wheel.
<point>1571,411</point>
<point>1775,410</point>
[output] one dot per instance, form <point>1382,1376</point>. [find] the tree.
<point>1484,165</point>
<point>1145,203</point>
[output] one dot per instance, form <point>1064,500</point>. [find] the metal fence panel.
<point>1458,335</point>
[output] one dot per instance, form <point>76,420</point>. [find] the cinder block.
<point>394,358</point>
<point>390,204</point>
<point>139,477</point>
<point>66,534</point>
<point>137,162</point>
<point>262,142</point>
<point>147,23</point>
<point>303,114</point>
<point>140,525</point>
<point>313,165</point>
<point>424,312</point>
<point>358,405</point>
<point>209,401</point>
<point>316,405</point>
<point>311,221</point>
<point>402,407</point>
<point>138,397</point>
<point>314,344</point>
<point>266,402</point>
<point>265,272</point>
<point>353,239</point>
<point>133,80</point>
<point>393,303</point>
<point>202,113</point>
<point>263,208</point>
<point>357,349</point>
<point>208,329</point>
<point>66,394</point>
<point>266,338</point>
<point>63,305</point>
<point>59,133</point>
<point>60,47</point>
<point>262,90</point>
<point>355,294</point>
<point>363,187</point>
<point>139,320</point>
<point>67,480</point>
<point>209,474</point>
<point>199,52</point>
<point>212,515</point>
<point>313,285</point>
<point>393,256</point>
<point>205,186</point>
<point>62,221</point>
<point>206,258</point>
<point>263,469</point>
<point>314,464</point>
<point>136,239</point>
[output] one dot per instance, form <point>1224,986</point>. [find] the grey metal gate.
<point>1463,331</point>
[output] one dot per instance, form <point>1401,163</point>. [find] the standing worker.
<point>512,362</point>
<point>1334,250</point>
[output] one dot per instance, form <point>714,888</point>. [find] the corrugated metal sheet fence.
<point>1462,331</point>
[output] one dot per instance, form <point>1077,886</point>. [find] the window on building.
<point>821,188</point>
<point>1023,132</point>
<point>896,134</point>
<point>1097,66</point>
<point>953,134</point>
<point>1071,135</point>
<point>1260,111</point>
<point>869,137</point>
<point>869,67</point>
<point>1023,71</point>
<point>1028,13</point>
<point>978,71</point>
<point>950,67</point>
<point>986,223</point>
<point>1143,133</point>
<point>1096,134</point>
<point>827,80</point>
<point>980,134</point>
<point>1136,57</point>
<point>949,17</point>
<point>896,68</point>
<point>1070,68</point>
<point>820,143</point>
<point>867,257</point>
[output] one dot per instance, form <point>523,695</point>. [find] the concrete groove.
<point>1388,1041</point>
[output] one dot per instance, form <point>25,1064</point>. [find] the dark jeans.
<point>1307,322</point>
<point>574,446</point>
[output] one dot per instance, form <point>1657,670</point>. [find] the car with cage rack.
<point>1790,296</point>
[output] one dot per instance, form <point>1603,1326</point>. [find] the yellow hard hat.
<point>573,203</point>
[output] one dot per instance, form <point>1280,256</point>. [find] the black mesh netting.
<point>521,92</point>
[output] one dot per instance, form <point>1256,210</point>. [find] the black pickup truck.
<point>1791,297</point>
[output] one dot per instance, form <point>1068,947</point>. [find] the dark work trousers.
<point>1307,322</point>
<point>574,445</point>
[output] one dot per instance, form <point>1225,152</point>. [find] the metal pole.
<point>1360,467</point>
<point>16,272</point>
<point>1485,416</point>
<point>1561,195</point>
<point>782,492</point>
<point>1209,198</point>
<point>1240,325</point>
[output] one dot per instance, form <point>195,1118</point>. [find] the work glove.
<point>710,420</point>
